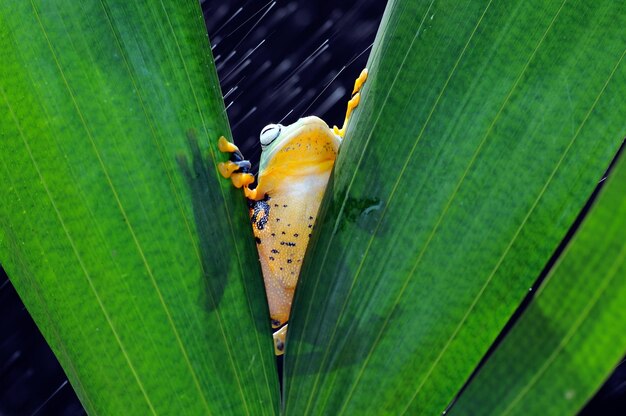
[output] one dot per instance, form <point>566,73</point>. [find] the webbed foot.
<point>237,169</point>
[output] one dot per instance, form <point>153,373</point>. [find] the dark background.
<point>277,61</point>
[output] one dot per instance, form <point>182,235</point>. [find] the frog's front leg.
<point>237,169</point>
<point>353,103</point>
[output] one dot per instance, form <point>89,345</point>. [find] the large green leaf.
<point>135,259</point>
<point>483,128</point>
<point>572,335</point>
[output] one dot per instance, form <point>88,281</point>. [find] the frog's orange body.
<point>291,188</point>
<point>296,162</point>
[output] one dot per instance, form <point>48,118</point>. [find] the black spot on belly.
<point>258,240</point>
<point>260,213</point>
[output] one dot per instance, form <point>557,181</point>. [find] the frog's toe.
<point>358,84</point>
<point>352,104</point>
<point>242,179</point>
<point>227,168</point>
<point>354,101</point>
<point>252,194</point>
<point>225,146</point>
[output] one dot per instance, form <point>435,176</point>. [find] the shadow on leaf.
<point>215,268</point>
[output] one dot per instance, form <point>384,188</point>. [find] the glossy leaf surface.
<point>571,336</point>
<point>135,259</point>
<point>483,129</point>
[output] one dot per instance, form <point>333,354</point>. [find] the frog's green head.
<point>276,137</point>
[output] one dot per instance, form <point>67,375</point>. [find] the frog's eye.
<point>269,134</point>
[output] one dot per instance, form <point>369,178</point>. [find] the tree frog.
<point>296,161</point>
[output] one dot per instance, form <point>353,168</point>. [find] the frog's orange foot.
<point>279,340</point>
<point>237,169</point>
<point>237,158</point>
<point>358,84</point>
<point>353,103</point>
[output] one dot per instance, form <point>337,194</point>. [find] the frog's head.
<point>307,135</point>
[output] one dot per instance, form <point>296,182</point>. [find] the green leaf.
<point>571,336</point>
<point>135,259</point>
<point>482,130</point>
